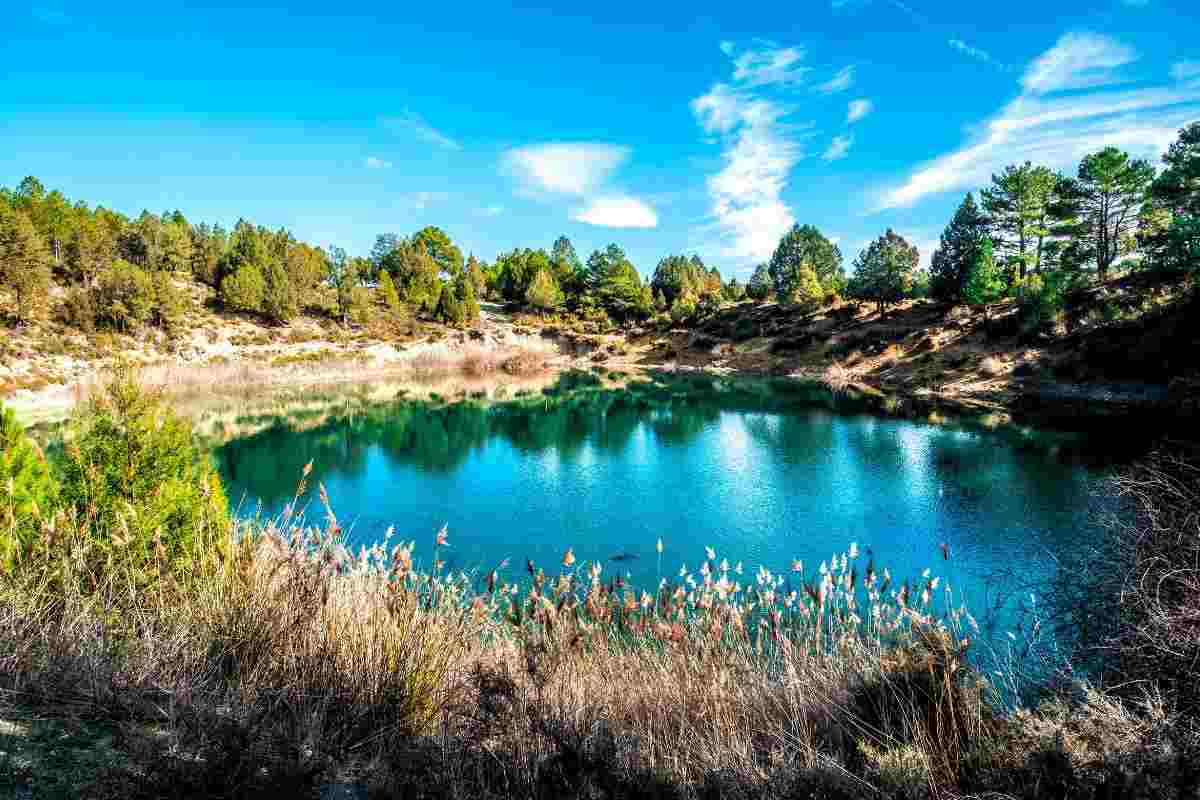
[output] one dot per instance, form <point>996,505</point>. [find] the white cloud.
<point>839,82</point>
<point>838,148</point>
<point>857,110</point>
<point>1077,61</point>
<point>771,65</point>
<point>411,121</point>
<point>617,211</point>
<point>565,167</point>
<point>1049,125</point>
<point>974,52</point>
<point>1185,70</point>
<point>377,163</point>
<point>727,48</point>
<point>759,151</point>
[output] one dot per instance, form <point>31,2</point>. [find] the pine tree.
<point>759,286</point>
<point>543,293</point>
<point>279,300</point>
<point>24,265</point>
<point>985,281</point>
<point>806,291</point>
<point>885,271</point>
<point>960,244</point>
<point>387,292</point>
<point>25,487</point>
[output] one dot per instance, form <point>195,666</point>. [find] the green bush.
<point>170,302</point>
<point>134,473</point>
<point>26,488</point>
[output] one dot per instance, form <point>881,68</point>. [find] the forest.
<point>1033,234</point>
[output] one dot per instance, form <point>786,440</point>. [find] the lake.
<point>764,472</point>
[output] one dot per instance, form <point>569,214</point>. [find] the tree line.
<point>1035,234</point>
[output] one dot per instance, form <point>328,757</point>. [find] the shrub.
<point>79,309</point>
<point>279,298</point>
<point>25,487</point>
<point>170,302</point>
<point>135,474</point>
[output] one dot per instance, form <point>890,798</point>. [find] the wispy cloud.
<point>1077,61</point>
<point>617,211</point>
<point>838,148</point>
<point>839,82</point>
<point>770,65</point>
<point>1072,102</point>
<point>574,168</point>
<point>491,211</point>
<point>1185,70</point>
<point>373,162</point>
<point>416,124</point>
<point>758,150</point>
<point>858,109</point>
<point>974,52</point>
<point>579,169</point>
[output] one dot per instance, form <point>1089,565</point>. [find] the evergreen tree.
<point>885,271</point>
<point>960,245</point>
<point>1173,244</point>
<point>806,291</point>
<point>449,308</point>
<point>759,285</point>
<point>387,292</point>
<point>804,246</point>
<point>985,282</point>
<point>544,293</point>
<point>279,301</point>
<point>476,276</point>
<point>1019,206</point>
<point>25,488</point>
<point>24,265</point>
<point>1109,193</point>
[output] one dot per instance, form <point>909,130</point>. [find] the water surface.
<point>763,472</point>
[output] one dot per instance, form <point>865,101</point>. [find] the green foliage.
<point>279,301</point>
<point>477,277</point>
<point>806,290</point>
<point>543,293</point>
<point>388,295</point>
<point>470,301</point>
<point>134,472</point>
<point>24,265</point>
<point>450,308</point>
<point>959,247</point>
<point>125,296</point>
<point>804,247</point>
<point>884,273</point>
<point>679,275</point>
<point>734,291</point>
<point>1042,297</point>
<point>985,282</point>
<point>567,268</point>
<point>1173,245</point>
<point>170,302</point>
<point>1020,207</point>
<point>26,488</point>
<point>244,289</point>
<point>89,250</point>
<point>516,271</point>
<point>684,307</point>
<point>208,247</point>
<point>759,287</point>
<point>437,245</point>
<point>1107,197</point>
<point>615,283</point>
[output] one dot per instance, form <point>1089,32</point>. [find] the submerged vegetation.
<point>226,658</point>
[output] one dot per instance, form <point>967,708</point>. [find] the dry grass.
<point>838,377</point>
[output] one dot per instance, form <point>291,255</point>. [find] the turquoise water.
<point>763,473</point>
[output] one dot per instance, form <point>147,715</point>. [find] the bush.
<point>25,487</point>
<point>79,309</point>
<point>134,473</point>
<point>170,302</point>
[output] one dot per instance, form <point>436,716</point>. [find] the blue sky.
<point>697,127</point>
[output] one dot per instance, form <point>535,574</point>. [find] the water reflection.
<point>764,471</point>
